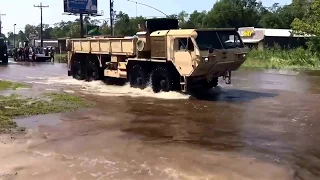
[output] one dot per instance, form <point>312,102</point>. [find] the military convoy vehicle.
<point>160,55</point>
<point>3,51</point>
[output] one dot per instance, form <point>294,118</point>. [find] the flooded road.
<point>265,126</point>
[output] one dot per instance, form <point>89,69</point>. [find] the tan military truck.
<point>160,55</point>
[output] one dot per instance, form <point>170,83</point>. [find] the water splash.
<point>101,89</point>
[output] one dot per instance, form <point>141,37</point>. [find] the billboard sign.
<point>81,6</point>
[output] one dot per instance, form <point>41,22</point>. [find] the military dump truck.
<point>3,52</point>
<point>160,55</point>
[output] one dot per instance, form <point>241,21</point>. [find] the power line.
<point>41,25</point>
<point>147,6</point>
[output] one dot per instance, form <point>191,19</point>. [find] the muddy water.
<point>265,126</point>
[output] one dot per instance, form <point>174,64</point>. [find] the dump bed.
<point>115,46</point>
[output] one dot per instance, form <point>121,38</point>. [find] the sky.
<point>22,12</point>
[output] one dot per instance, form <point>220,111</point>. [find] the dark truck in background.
<point>3,52</point>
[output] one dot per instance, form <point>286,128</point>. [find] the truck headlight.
<point>206,59</point>
<point>5,54</point>
<point>242,56</point>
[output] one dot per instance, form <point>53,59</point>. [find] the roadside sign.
<point>33,36</point>
<point>246,31</point>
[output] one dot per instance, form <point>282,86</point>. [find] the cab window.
<point>183,44</point>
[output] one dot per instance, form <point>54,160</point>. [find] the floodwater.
<point>264,126</point>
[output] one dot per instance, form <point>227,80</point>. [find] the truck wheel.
<point>161,80</point>
<point>138,78</point>
<point>212,84</point>
<point>92,71</point>
<point>77,70</point>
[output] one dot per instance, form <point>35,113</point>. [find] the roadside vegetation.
<point>15,105</point>
<point>61,58</point>
<point>8,85</point>
<point>276,58</point>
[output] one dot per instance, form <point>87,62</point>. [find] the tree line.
<point>300,15</point>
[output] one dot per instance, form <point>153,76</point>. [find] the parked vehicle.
<point>9,53</point>
<point>39,54</point>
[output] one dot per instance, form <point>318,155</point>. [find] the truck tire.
<point>78,70</point>
<point>138,78</point>
<point>5,61</point>
<point>212,84</point>
<point>161,80</point>
<point>92,71</point>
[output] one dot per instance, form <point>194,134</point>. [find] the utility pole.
<point>1,23</point>
<point>41,25</point>
<point>81,25</point>
<point>111,17</point>
<point>14,35</point>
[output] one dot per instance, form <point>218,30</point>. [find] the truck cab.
<point>203,55</point>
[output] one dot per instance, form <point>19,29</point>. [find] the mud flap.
<point>69,73</point>
<point>227,77</point>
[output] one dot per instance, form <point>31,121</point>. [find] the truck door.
<point>183,49</point>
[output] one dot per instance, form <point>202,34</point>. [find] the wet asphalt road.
<point>265,126</point>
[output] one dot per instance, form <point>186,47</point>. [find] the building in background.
<point>260,38</point>
<point>62,45</point>
<point>46,43</point>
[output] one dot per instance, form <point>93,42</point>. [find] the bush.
<point>275,57</point>
<point>61,58</point>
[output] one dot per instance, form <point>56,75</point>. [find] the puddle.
<point>33,122</point>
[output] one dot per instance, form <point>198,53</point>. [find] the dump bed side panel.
<point>117,46</point>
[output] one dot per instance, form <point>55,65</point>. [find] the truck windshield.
<point>218,40</point>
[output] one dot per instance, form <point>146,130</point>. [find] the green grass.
<point>61,58</point>
<point>276,58</point>
<point>16,106</point>
<point>6,85</point>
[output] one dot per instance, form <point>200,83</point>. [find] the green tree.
<point>196,20</point>
<point>105,29</point>
<point>309,24</point>
<point>235,13</point>
<point>21,36</point>
<point>126,26</point>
